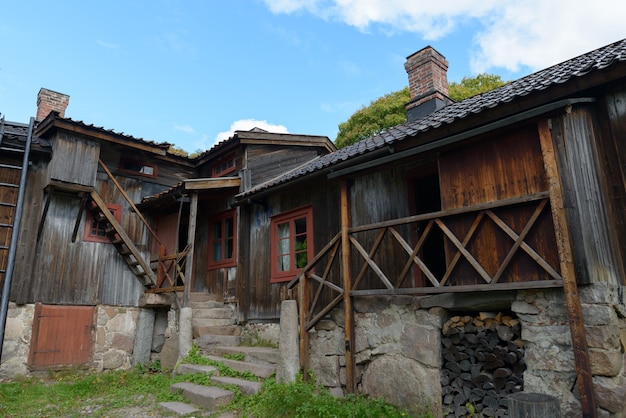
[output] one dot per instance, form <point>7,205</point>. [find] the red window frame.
<point>94,230</point>
<point>137,167</point>
<point>223,166</point>
<point>220,241</point>
<point>287,260</point>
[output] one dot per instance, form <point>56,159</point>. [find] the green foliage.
<point>382,113</point>
<point>174,150</point>
<point>388,111</point>
<point>304,400</point>
<point>471,86</point>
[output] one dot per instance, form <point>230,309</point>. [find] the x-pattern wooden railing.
<point>171,268</point>
<point>396,285</point>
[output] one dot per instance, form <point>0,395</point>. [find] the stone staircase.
<point>259,361</point>
<point>216,332</point>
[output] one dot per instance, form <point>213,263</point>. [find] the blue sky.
<point>190,72</point>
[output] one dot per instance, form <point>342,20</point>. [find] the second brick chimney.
<point>48,100</point>
<point>428,82</point>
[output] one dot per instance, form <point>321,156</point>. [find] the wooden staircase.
<point>122,242</point>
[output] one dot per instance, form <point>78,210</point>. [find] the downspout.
<point>6,288</point>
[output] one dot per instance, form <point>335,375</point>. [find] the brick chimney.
<point>48,100</point>
<point>428,82</point>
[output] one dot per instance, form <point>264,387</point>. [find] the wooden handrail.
<point>130,202</point>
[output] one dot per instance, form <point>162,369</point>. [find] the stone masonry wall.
<point>549,354</point>
<point>113,344</point>
<point>397,351</point>
<point>398,348</point>
<point>17,335</point>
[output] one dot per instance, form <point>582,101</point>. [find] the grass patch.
<point>307,400</point>
<point>80,394</point>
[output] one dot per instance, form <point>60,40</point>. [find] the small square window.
<point>223,166</point>
<point>139,168</point>
<point>95,229</point>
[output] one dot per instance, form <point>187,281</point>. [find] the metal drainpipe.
<point>6,288</point>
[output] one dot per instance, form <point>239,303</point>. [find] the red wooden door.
<point>62,335</point>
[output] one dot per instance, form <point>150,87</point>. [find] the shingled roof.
<point>580,66</point>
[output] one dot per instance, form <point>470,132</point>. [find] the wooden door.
<point>62,335</point>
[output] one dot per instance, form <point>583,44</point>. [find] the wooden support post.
<point>347,287</point>
<point>570,288</point>
<point>191,237</point>
<point>303,301</point>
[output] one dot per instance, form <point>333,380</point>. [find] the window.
<point>223,239</point>
<point>139,168</point>
<point>95,230</point>
<point>224,166</point>
<point>292,243</point>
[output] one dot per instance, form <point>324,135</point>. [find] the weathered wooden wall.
<point>265,162</point>
<point>611,146</point>
<point>74,159</point>
<point>54,269</point>
<point>589,195</point>
<point>504,166</point>
<point>258,298</point>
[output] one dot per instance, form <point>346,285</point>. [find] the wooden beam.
<point>212,183</point>
<point>191,237</point>
<point>568,272</point>
<point>303,301</point>
<point>351,381</point>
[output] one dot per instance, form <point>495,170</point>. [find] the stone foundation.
<point>114,338</point>
<point>398,346</point>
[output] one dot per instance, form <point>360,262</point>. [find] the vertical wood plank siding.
<point>266,162</point>
<point>75,160</point>
<point>612,157</point>
<point>506,166</point>
<point>262,300</point>
<point>586,207</point>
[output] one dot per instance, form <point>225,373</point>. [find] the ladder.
<point>12,186</point>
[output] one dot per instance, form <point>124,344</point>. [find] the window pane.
<point>300,226</point>
<point>217,230</point>
<point>283,263</point>
<point>283,230</point>
<point>228,253</point>
<point>229,227</point>
<point>217,251</point>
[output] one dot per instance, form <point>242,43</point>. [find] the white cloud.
<point>512,34</point>
<point>107,45</point>
<point>248,124</point>
<point>184,128</point>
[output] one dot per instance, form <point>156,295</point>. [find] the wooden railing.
<point>329,283</point>
<point>170,267</point>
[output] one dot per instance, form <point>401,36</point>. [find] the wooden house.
<point>507,197</point>
<point>509,204</point>
<point>108,225</point>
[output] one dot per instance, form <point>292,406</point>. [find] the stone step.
<point>193,368</point>
<point>179,408</point>
<point>207,304</point>
<point>209,397</point>
<point>211,322</point>
<point>207,342</point>
<point>201,297</point>
<point>253,354</point>
<point>247,387</point>
<point>220,330</point>
<point>213,313</point>
<point>260,370</point>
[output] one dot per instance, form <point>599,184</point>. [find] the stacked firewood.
<point>482,363</point>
